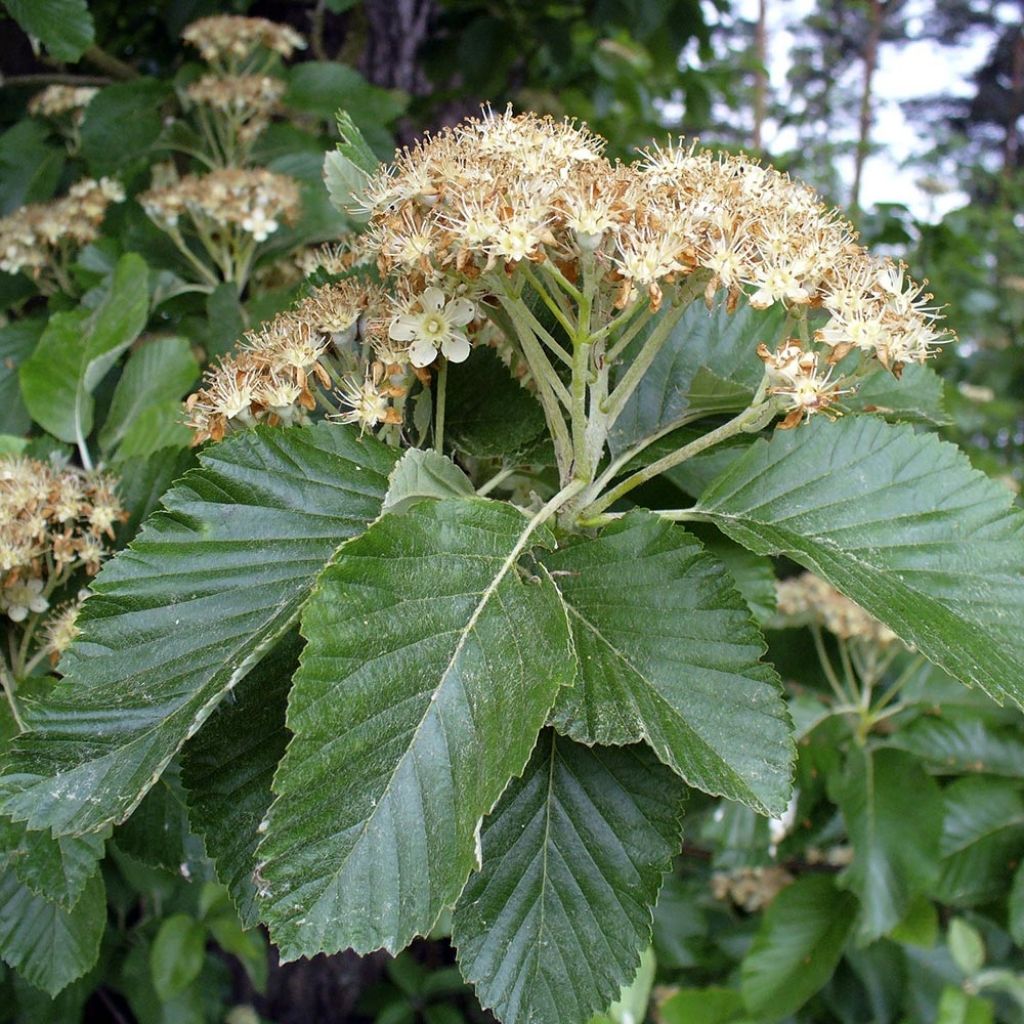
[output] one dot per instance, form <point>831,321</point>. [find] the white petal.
<point>402,329</point>
<point>459,312</point>
<point>432,300</point>
<point>17,613</point>
<point>38,604</point>
<point>456,348</point>
<point>422,353</point>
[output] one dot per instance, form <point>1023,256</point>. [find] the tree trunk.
<point>874,37</point>
<point>760,73</point>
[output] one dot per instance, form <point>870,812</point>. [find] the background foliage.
<point>891,892</point>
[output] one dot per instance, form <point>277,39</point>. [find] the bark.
<point>874,36</point>
<point>396,31</point>
<point>760,73</point>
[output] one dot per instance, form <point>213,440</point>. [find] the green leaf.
<point>634,996</point>
<point>225,319</point>
<point>701,1006</point>
<point>157,833</point>
<point>797,947</point>
<point>121,123</point>
<point>958,1007</point>
<point>421,474</point>
<point>573,858</point>
<point>176,956</point>
<point>64,27</point>
<point>78,348</point>
<point>917,397</point>
<point>901,524</point>
<point>966,946</point>
<point>55,869</point>
<point>893,814</point>
<point>228,767</point>
<point>982,840</point>
<point>181,616</point>
<point>920,924</point>
<point>17,340</point>
<point>347,168</point>
<point>1015,907</point>
<point>669,654</point>
<point>960,743</point>
<point>680,380</point>
<point>155,429</point>
<point>488,414</point>
<point>46,944</point>
<point>430,667</point>
<point>323,87</point>
<point>30,168</point>
<point>160,371</point>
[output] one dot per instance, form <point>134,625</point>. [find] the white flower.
<point>21,598</point>
<point>435,327</point>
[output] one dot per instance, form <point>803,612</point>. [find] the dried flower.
<point>228,41</point>
<point>806,598</point>
<point>40,238</point>
<point>57,100</point>
<point>51,523</point>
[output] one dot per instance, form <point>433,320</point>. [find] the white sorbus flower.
<point>435,327</point>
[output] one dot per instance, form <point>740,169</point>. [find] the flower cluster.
<point>57,100</point>
<point>332,344</point>
<point>38,238</point>
<point>794,376</point>
<point>504,191</point>
<point>248,101</point>
<point>228,41</point>
<point>806,598</point>
<point>51,523</point>
<point>254,201</point>
<point>750,888</point>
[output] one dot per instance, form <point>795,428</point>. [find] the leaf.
<point>634,996</point>
<point>1015,907</point>
<point>966,946</point>
<point>421,474</point>
<point>573,857</point>
<point>701,1006</point>
<point>77,349</point>
<point>429,668</point>
<point>959,1007</point>
<point>322,87</point>
<point>155,429</point>
<point>917,397</point>
<point>982,840</point>
<point>893,814</point>
<point>959,743</point>
<point>488,414</point>
<point>181,616</point>
<point>162,370</point>
<point>680,379</point>
<point>669,654</point>
<point>64,27</point>
<point>228,767</point>
<point>17,340</point>
<point>48,945</point>
<point>56,869</point>
<point>30,168</point>
<point>176,956</point>
<point>122,123</point>
<point>797,947</point>
<point>157,833</point>
<point>225,319</point>
<point>902,525</point>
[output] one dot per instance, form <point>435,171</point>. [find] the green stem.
<point>7,679</point>
<point>826,666</point>
<point>752,418</point>
<point>901,680</point>
<point>652,346</point>
<point>562,281</point>
<point>631,331</point>
<point>542,292</point>
<point>442,387</point>
<point>499,478</point>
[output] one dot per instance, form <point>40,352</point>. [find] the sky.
<point>915,70</point>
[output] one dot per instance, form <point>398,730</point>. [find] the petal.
<point>459,312</point>
<point>456,348</point>
<point>422,353</point>
<point>17,613</point>
<point>402,330</point>
<point>432,300</point>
